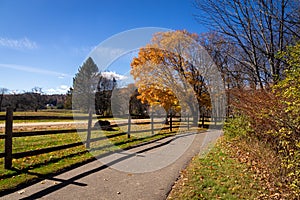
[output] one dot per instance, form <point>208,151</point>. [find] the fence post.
<point>8,138</point>
<point>129,126</point>
<point>171,120</point>
<point>88,137</point>
<point>188,122</point>
<point>203,121</point>
<point>152,123</point>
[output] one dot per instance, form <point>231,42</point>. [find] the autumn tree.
<point>274,117</point>
<point>259,28</point>
<point>171,72</point>
<point>287,92</point>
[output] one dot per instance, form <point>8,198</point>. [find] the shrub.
<point>274,116</point>
<point>238,126</point>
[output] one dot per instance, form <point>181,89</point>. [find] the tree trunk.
<point>195,117</point>
<point>167,120</point>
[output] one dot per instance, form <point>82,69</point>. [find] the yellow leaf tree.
<point>165,73</point>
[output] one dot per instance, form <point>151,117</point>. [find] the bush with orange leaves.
<point>274,117</point>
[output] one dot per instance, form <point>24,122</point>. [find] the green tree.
<point>105,87</point>
<point>2,92</point>
<point>85,85</point>
<point>68,100</point>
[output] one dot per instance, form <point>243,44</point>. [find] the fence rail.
<point>8,155</point>
<point>36,117</point>
<point>9,135</point>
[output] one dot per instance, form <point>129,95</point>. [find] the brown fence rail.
<point>9,135</point>
<point>36,117</point>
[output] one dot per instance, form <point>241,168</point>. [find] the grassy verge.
<point>219,175</point>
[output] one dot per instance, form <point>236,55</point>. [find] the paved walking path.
<point>117,178</point>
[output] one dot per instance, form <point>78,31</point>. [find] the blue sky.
<point>43,42</point>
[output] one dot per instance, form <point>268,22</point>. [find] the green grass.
<point>46,113</point>
<point>58,113</point>
<point>43,113</point>
<point>216,176</point>
<point>29,168</point>
<point>34,167</point>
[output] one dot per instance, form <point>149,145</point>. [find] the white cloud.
<point>111,75</point>
<point>34,70</point>
<point>62,89</point>
<point>23,43</point>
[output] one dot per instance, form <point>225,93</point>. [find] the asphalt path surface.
<point>145,172</point>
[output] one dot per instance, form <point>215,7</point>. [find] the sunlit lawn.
<point>216,176</point>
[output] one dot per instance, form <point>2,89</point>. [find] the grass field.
<point>44,113</point>
<point>48,112</point>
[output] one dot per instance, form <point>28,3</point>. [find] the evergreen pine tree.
<point>84,84</point>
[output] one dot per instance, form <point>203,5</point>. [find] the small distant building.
<point>49,105</point>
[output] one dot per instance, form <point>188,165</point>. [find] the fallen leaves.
<point>263,163</point>
<point>232,170</point>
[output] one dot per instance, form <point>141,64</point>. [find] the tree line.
<point>31,101</point>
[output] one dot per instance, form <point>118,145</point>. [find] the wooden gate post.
<point>8,138</point>
<point>171,121</point>
<point>188,122</point>
<point>129,126</point>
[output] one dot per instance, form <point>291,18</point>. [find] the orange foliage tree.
<point>164,74</point>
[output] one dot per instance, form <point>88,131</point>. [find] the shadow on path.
<point>63,183</point>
